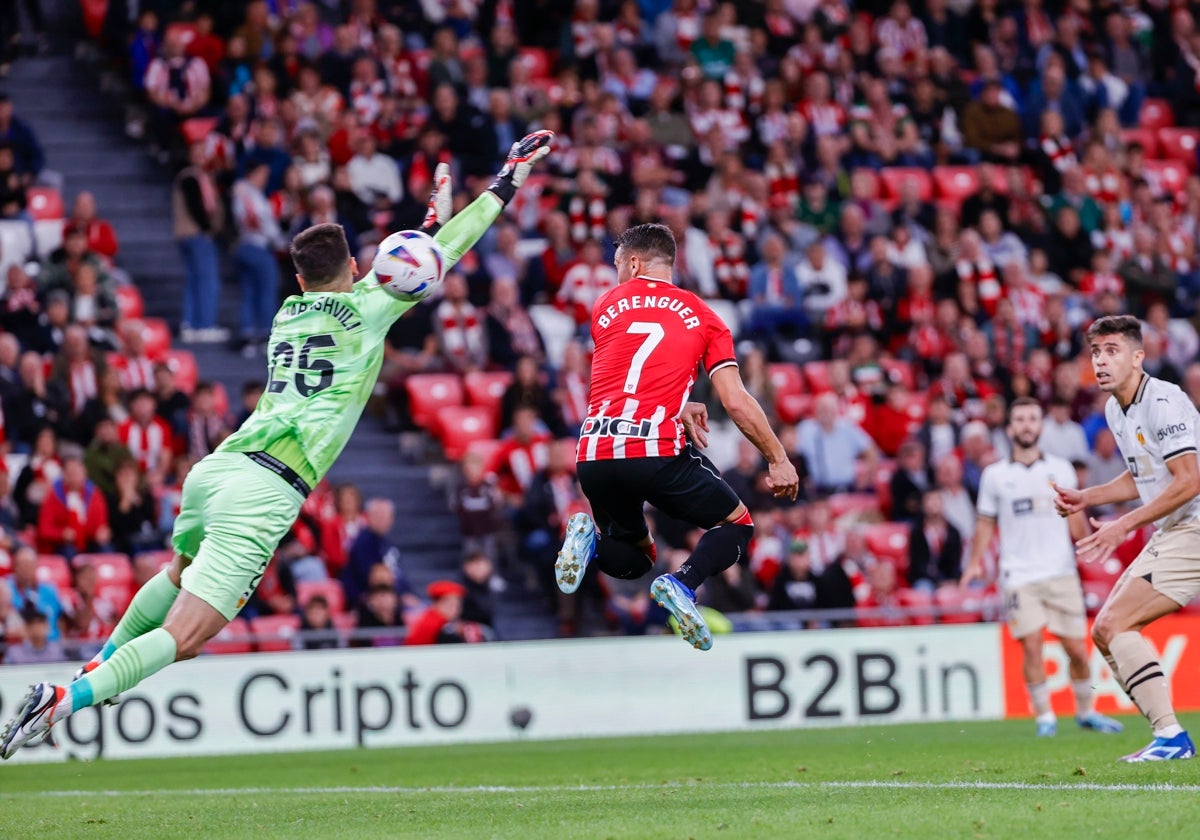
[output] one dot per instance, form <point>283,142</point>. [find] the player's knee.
<point>1103,631</point>
<point>624,560</point>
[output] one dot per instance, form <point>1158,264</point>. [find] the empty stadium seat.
<point>956,183</point>
<point>183,364</point>
<point>959,607</point>
<point>1156,113</point>
<point>1107,572</point>
<point>816,374</point>
<point>196,129</point>
<point>894,179</point>
<point>458,426</point>
<point>1095,593</point>
<point>1147,137</point>
<point>487,451</point>
<point>915,599</point>
<point>129,301</point>
<point>156,334</point>
<point>792,408</point>
<point>486,389</point>
<point>45,204</point>
<point>331,589</point>
<point>537,60</point>
<point>1180,144</point>
<point>54,569</point>
<point>889,541</point>
<point>429,392</point>
<point>234,637</point>
<point>111,568</point>
<point>274,632</point>
<point>786,378</point>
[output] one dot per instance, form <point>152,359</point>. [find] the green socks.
<point>147,610</point>
<point>129,665</point>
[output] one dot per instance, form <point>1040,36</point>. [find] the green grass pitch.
<point>973,780</point>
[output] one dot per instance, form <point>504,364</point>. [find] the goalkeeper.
<point>326,347</point>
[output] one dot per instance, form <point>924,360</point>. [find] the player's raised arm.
<point>751,420</point>
<point>461,233</point>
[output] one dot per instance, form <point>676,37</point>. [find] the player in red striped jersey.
<point>650,339</point>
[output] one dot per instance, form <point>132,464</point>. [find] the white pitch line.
<point>1159,787</point>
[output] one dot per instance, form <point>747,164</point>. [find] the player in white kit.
<point>1155,425</point>
<point>1038,575</point>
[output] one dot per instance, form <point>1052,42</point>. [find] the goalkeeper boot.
<point>87,668</point>
<point>31,724</point>
<point>578,549</point>
<point>680,602</point>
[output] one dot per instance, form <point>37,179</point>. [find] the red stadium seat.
<point>786,378</point>
<point>110,567</point>
<point>156,334</point>
<point>158,559</point>
<point>45,203</point>
<point>234,637</point>
<point>1165,177</point>
<point>1095,593</point>
<point>1156,113</point>
<point>129,301</point>
<point>183,364</point>
<point>816,373</point>
<point>458,426</point>
<point>873,176</point>
<point>894,178</point>
<point>53,568</point>
<point>428,392</point>
<point>488,451</point>
<point>889,541</point>
<point>331,589</point>
<point>792,408</point>
<point>119,595</point>
<point>274,632</point>
<point>1180,144</point>
<point>1147,137</point>
<point>853,504</point>
<point>486,389</point>
<point>194,130</point>
<point>961,607</point>
<point>1106,572</point>
<point>915,599</point>
<point>956,183</point>
<point>539,61</point>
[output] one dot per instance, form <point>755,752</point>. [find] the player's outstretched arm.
<point>751,420</point>
<point>461,233</point>
<point>1121,489</point>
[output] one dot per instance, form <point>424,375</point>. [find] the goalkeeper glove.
<point>441,200</point>
<point>521,158</point>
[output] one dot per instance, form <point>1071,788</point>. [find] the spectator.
<point>957,504</point>
<point>935,548</point>
<point>733,591</point>
<point>28,593</point>
<point>529,390</point>
<point>90,617</point>
<point>373,547</point>
<point>832,448</point>
<point>147,436</point>
<point>374,177</point>
<point>198,218</point>
<point>481,583</point>
<point>881,596</point>
<point>774,293</point>
<point>172,405</point>
<point>323,209</point>
<point>28,158</point>
<point>380,610</point>
<point>462,339</point>
<point>1105,463</point>
<point>104,454</point>
<point>77,369</point>
<point>178,87</point>
<point>991,128</point>
<point>100,237</point>
<point>315,619</point>
<point>440,622</point>
<point>40,472</point>
<point>12,626</point>
<point>1061,435</point>
<point>259,238</point>
<point>585,281</point>
<point>799,587</point>
<point>479,506</point>
<point>340,528</point>
<point>74,516</point>
<point>524,453</point>
<point>909,482</point>
<point>38,647</point>
<point>132,514</point>
<point>205,427</point>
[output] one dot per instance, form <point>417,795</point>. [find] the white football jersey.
<point>1160,424</point>
<point>1035,542</point>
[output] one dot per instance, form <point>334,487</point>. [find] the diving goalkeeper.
<point>326,349</point>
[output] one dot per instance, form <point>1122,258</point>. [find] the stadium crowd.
<point>907,212</point>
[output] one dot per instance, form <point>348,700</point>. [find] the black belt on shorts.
<point>282,470</point>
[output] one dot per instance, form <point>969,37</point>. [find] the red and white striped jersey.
<point>148,444</point>
<point>650,337</point>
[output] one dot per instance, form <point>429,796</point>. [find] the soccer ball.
<point>408,264</point>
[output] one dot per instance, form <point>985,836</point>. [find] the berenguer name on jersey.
<point>690,321</point>
<point>339,311</point>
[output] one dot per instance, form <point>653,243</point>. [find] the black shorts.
<point>686,486</point>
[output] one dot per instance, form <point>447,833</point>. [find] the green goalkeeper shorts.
<point>232,517</point>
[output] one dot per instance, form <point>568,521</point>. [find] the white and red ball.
<point>409,264</point>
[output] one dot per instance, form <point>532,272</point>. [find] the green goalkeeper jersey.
<point>325,352</point>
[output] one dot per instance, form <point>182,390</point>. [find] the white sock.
<point>1168,731</point>
<point>1083,697</point>
<point>1039,696</point>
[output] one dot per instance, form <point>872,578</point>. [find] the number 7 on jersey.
<point>654,335</point>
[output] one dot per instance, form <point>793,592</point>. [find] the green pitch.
<point>978,780</point>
